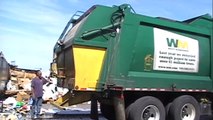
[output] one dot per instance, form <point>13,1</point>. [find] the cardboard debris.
<point>19,73</point>
<point>18,104</point>
<point>22,96</point>
<point>13,78</point>
<point>20,80</point>
<point>24,83</point>
<point>19,90</point>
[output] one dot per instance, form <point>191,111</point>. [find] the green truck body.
<point>139,56</point>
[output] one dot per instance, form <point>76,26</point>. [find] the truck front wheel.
<point>107,111</point>
<point>184,108</point>
<point>147,108</point>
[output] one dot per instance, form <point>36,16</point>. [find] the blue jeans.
<point>36,106</point>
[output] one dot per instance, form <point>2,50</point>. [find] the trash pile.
<point>13,109</point>
<point>52,91</point>
<point>18,89</point>
<point>20,80</point>
<point>18,106</point>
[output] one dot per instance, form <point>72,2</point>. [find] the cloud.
<point>29,31</point>
<point>7,29</point>
<point>32,18</point>
<point>33,13</point>
<point>53,4</point>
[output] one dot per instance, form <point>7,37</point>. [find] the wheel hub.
<point>150,112</point>
<point>188,112</point>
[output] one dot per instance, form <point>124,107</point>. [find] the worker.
<point>37,93</point>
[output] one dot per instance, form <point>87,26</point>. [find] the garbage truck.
<point>4,73</point>
<point>134,66</point>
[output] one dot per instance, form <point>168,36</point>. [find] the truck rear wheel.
<point>184,108</point>
<point>147,108</point>
<point>167,110</point>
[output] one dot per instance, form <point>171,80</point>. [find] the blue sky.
<point>30,28</point>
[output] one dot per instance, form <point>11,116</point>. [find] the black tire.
<point>128,109</point>
<point>107,111</point>
<point>147,107</point>
<point>184,106</point>
<point>167,110</point>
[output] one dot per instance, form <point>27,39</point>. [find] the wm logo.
<point>177,43</point>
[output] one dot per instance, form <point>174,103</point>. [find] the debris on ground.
<point>17,105</point>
